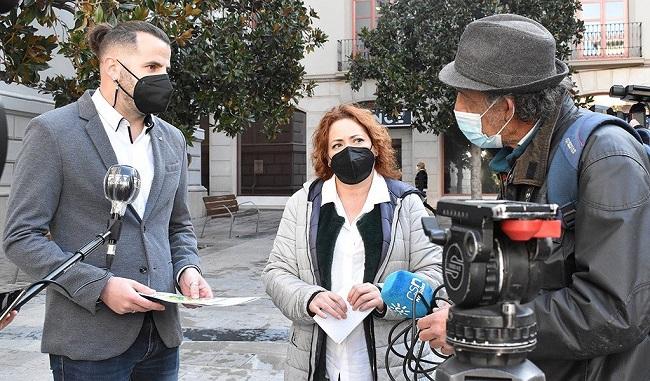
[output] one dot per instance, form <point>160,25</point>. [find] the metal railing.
<point>348,49</point>
<point>609,41</point>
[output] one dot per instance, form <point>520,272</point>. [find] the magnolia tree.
<point>415,39</point>
<point>238,60</point>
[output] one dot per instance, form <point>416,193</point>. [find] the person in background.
<point>422,183</point>
<point>104,329</point>
<point>340,236</point>
<point>593,312</point>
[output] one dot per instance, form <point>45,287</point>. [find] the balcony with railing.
<point>609,42</point>
<point>347,50</point>
<point>600,42</point>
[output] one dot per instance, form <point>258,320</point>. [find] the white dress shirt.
<point>349,360</point>
<point>136,153</point>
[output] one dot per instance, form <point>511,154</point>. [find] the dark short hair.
<point>105,35</point>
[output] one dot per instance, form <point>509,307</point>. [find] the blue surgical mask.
<point>472,127</point>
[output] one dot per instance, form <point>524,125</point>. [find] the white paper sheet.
<point>338,330</point>
<point>180,299</point>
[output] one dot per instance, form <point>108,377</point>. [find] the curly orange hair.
<point>385,162</point>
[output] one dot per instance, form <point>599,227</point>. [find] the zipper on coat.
<point>307,232</point>
<point>315,331</point>
<point>312,351</point>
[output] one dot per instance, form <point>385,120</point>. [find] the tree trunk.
<point>475,182</point>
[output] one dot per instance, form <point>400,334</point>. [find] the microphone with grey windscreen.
<point>121,187</point>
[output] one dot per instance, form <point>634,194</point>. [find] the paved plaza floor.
<point>246,342</point>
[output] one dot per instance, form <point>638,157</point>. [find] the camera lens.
<point>617,91</point>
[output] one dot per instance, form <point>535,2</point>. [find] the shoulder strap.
<point>563,172</point>
<point>399,189</point>
<point>644,133</point>
<point>315,189</point>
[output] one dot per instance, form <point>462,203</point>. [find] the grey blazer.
<point>58,187</point>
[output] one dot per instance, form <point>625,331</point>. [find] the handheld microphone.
<point>401,288</point>
<point>121,187</point>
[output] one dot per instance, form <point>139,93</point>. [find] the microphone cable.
<point>412,362</point>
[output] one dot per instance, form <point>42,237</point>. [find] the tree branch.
<point>64,6</point>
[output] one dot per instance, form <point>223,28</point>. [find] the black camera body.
<point>492,258</point>
<point>635,93</point>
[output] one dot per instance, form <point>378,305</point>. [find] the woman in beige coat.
<point>339,238</point>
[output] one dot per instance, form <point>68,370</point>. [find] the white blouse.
<point>349,360</point>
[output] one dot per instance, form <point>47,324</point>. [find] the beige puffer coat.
<point>290,277</point>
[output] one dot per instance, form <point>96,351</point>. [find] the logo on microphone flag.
<point>400,309</point>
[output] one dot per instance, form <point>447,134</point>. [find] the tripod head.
<point>492,261</point>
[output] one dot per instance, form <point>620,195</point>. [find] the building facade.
<point>615,50</point>
<point>268,172</point>
<point>229,162</point>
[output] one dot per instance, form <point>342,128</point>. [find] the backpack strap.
<point>399,189</point>
<point>562,176</point>
<point>645,135</point>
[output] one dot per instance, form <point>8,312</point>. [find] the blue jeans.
<point>147,359</point>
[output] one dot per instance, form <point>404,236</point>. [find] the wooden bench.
<point>227,206</point>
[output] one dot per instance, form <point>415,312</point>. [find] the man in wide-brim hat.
<point>594,307</point>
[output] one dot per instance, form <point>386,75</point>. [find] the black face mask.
<point>352,165</point>
<point>151,94</point>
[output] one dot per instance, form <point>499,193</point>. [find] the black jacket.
<point>594,310</point>
<point>421,180</point>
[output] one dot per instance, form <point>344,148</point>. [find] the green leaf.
<point>98,15</point>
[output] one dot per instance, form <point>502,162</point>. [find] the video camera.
<point>636,93</point>
<point>492,259</point>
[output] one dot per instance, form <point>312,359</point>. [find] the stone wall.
<point>196,191</point>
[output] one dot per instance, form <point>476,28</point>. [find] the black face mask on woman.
<point>151,93</point>
<point>352,165</point>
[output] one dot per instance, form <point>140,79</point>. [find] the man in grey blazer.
<point>107,331</point>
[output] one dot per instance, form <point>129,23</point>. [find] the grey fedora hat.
<point>505,53</point>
